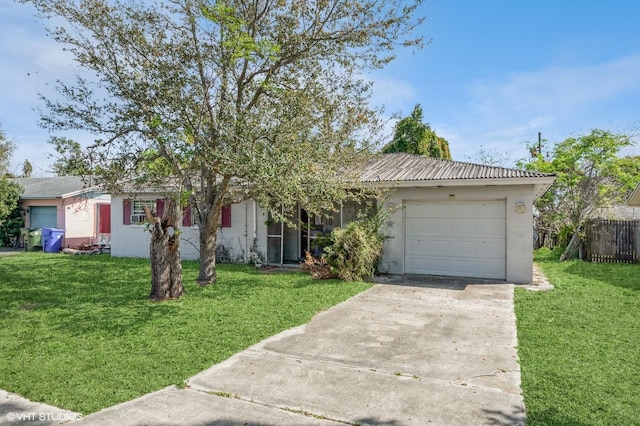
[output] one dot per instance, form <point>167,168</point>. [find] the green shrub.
<point>355,250</point>
<point>10,228</point>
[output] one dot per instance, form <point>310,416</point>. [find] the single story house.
<point>66,202</point>
<point>449,218</point>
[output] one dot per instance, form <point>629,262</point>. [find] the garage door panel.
<point>478,210</point>
<point>436,265</point>
<point>463,228</point>
<point>485,228</point>
<point>467,249</point>
<point>495,247</point>
<point>457,227</point>
<point>423,210</point>
<point>478,268</point>
<point>417,246</point>
<point>456,238</point>
<point>429,229</point>
<point>433,265</point>
<point>455,248</point>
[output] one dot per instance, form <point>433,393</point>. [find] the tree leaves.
<point>413,136</point>
<point>265,97</point>
<point>590,175</point>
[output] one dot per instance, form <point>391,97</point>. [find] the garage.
<point>43,217</point>
<point>456,238</point>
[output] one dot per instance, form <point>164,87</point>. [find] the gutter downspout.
<point>246,233</point>
<point>255,223</point>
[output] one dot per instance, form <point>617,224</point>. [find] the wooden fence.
<point>612,241</point>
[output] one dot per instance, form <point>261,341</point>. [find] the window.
<point>133,210</point>
<point>137,210</point>
<point>353,210</point>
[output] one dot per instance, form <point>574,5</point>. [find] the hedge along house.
<point>449,218</point>
<point>65,202</point>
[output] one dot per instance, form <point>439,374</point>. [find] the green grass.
<point>78,332</point>
<point>579,345</point>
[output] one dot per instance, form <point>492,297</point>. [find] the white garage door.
<point>461,238</point>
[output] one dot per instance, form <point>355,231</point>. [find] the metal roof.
<point>50,187</point>
<point>402,167</point>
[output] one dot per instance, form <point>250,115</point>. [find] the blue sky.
<point>494,75</point>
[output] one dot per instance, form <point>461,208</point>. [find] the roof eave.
<point>40,197</point>
<point>542,180</point>
<point>82,191</point>
<point>634,199</point>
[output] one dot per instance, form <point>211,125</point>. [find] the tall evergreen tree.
<point>413,136</point>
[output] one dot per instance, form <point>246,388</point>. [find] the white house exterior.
<point>247,223</point>
<point>449,218</point>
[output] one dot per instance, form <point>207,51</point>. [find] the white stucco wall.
<point>519,226</point>
<point>238,239</point>
<point>249,222</point>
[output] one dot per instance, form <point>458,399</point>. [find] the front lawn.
<point>78,332</point>
<point>579,345</point>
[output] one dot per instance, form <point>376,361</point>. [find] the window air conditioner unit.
<point>138,218</point>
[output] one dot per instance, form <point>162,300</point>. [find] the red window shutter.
<point>186,216</point>
<point>160,207</point>
<point>126,212</point>
<point>226,216</point>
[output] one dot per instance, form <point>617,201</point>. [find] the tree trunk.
<point>572,248</point>
<point>208,219</point>
<point>208,237</point>
<point>164,255</point>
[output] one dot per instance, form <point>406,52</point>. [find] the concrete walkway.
<point>409,351</point>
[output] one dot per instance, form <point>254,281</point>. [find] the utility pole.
<point>540,143</point>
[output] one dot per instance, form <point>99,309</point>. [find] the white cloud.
<point>557,101</point>
<point>557,90</point>
<point>524,127</point>
<point>394,94</point>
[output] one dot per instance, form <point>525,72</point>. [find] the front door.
<point>104,218</point>
<point>289,244</point>
<point>283,241</point>
<point>275,233</point>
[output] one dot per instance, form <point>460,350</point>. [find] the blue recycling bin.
<point>52,240</point>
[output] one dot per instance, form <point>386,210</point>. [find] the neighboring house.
<point>634,198</point>
<point>628,211</point>
<point>451,218</point>
<point>66,203</point>
<point>618,212</point>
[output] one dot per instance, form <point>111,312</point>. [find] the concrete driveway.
<point>409,351</point>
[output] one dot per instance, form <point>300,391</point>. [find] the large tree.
<point>9,195</point>
<point>27,169</point>
<point>70,159</point>
<point>590,175</point>
<point>415,137</point>
<point>230,99</point>
<point>9,190</point>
